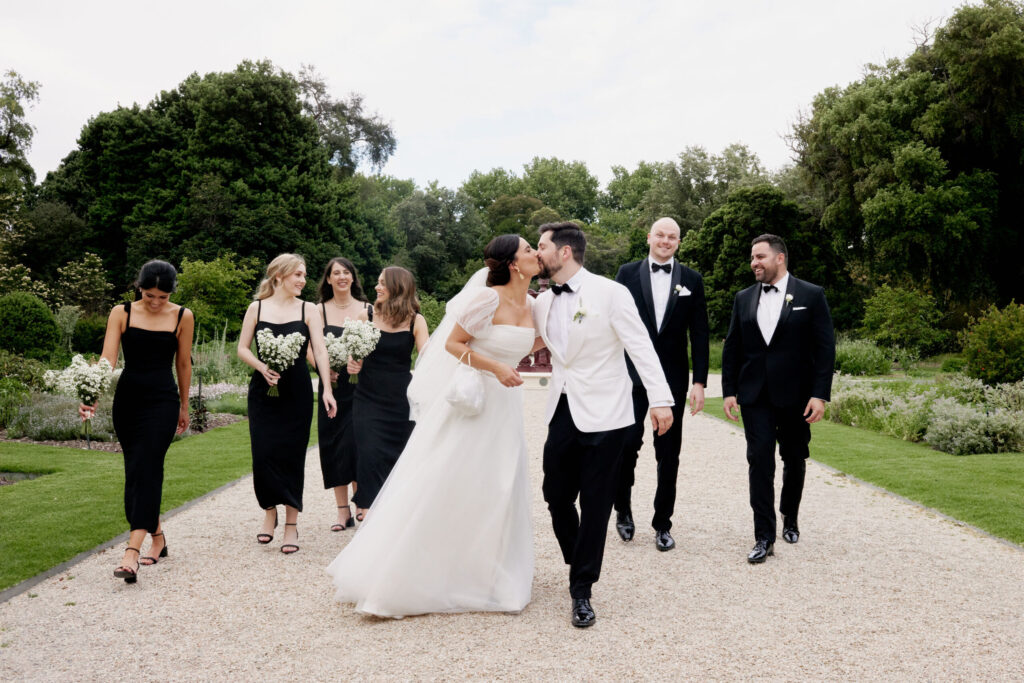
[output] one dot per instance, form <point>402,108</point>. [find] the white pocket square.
<point>684,291</point>
<point>799,308</point>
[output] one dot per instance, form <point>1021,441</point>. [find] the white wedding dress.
<point>450,530</point>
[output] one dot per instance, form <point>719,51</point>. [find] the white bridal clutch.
<point>466,393</point>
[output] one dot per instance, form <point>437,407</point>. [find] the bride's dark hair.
<point>499,254</point>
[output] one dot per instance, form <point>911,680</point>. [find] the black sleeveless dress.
<point>279,425</point>
<point>145,415</point>
<point>380,412</point>
<point>336,440</point>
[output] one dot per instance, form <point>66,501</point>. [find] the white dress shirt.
<point>769,308</point>
<point>563,308</point>
<point>661,287</point>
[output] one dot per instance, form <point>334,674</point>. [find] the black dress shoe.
<point>664,541</point>
<point>624,525</point>
<point>582,613</point>
<point>790,532</point>
<point>761,550</point>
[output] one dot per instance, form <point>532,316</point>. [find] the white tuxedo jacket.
<point>592,370</point>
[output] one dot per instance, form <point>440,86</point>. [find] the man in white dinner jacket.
<point>587,321</point>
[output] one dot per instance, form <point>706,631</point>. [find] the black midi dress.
<point>145,415</point>
<point>279,425</point>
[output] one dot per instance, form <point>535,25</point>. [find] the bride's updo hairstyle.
<point>281,267</point>
<point>158,274</point>
<point>499,254</point>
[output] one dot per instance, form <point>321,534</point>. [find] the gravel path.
<point>876,589</point>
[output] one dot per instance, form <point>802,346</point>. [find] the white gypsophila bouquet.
<point>81,379</point>
<point>337,353</point>
<point>279,351</point>
<point>360,338</point>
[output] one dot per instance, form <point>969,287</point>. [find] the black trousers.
<point>764,425</point>
<point>584,465</point>
<point>666,454</point>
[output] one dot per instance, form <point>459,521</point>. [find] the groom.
<point>586,321</point>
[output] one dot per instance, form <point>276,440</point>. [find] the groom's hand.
<point>661,419</point>
<point>696,399</point>
<point>729,405</point>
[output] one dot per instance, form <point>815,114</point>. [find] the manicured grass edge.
<point>19,588</point>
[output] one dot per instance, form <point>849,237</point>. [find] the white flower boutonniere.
<point>679,289</point>
<point>789,299</point>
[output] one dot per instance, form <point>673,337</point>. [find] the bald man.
<point>670,299</point>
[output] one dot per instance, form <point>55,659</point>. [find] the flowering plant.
<point>360,338</point>
<point>80,379</point>
<point>337,353</point>
<point>279,351</point>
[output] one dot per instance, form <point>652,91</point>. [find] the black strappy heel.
<point>349,523</point>
<point>291,545</point>
<point>264,539</point>
<point>153,560</point>
<point>127,573</point>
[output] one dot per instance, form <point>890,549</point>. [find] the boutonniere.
<point>789,299</point>
<point>580,313</point>
<point>679,289</point>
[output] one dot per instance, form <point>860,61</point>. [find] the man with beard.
<point>587,322</point>
<point>777,364</point>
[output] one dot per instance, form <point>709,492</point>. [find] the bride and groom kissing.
<point>450,530</point>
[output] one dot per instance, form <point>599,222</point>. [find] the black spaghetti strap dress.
<point>279,425</point>
<point>337,442</point>
<point>145,415</point>
<point>380,412</point>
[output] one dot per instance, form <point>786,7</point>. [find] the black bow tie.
<point>667,267</point>
<point>558,289</point>
<point>769,288</point>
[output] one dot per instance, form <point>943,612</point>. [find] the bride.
<point>450,530</point>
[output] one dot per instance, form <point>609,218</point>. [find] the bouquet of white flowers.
<point>279,351</point>
<point>360,338</point>
<point>80,379</point>
<point>337,353</point>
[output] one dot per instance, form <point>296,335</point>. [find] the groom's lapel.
<point>544,302</point>
<point>575,341</point>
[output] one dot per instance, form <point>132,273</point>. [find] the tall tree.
<point>16,174</point>
<point>566,186</point>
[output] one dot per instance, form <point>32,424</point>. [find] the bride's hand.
<point>508,376</point>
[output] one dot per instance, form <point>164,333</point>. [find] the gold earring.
<point>520,274</point>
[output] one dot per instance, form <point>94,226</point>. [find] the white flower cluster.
<point>215,391</point>
<point>360,338</point>
<point>279,351</point>
<point>80,379</point>
<point>337,352</point>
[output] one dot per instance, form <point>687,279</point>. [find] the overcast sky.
<point>471,84</point>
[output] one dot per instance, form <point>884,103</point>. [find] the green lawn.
<point>984,490</point>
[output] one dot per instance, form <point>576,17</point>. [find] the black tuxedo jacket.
<point>682,314</point>
<point>798,363</point>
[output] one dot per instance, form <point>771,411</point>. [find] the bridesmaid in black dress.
<point>279,425</point>
<point>149,408</point>
<point>341,300</point>
<point>380,409</point>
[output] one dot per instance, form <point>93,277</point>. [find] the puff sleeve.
<point>478,312</point>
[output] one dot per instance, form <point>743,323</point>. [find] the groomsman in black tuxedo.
<point>670,299</point>
<point>777,364</point>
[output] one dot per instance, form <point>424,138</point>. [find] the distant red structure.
<point>540,361</point>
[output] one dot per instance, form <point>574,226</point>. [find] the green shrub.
<point>963,389</point>
<point>217,292</point>
<point>47,417</point>
<point>432,309</point>
<point>861,357</point>
<point>953,364</point>
<point>28,372</point>
<point>216,360</point>
<point>894,316</point>
<point>12,395</point>
<point>994,345</point>
<point>962,430</point>
<point>67,319</point>
<point>89,333</point>
<point>27,326</point>
<point>229,403</point>
<point>906,417</point>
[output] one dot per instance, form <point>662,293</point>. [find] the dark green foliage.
<point>217,292</point>
<point>861,357</point>
<point>720,250</point>
<point>994,345</point>
<point>566,186</point>
<point>27,326</point>
<point>28,372</point>
<point>89,333</point>
<point>12,394</point>
<point>432,310</point>
<point>909,319</point>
